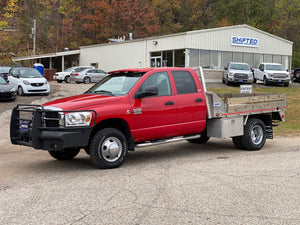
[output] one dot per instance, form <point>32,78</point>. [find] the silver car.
<point>87,76</point>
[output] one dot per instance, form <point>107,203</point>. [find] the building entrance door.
<point>156,61</point>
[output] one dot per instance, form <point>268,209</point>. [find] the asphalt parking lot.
<point>179,183</point>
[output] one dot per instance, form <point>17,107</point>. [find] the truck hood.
<point>277,71</point>
<point>240,71</point>
<point>78,102</point>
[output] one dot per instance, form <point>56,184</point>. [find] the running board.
<point>167,140</point>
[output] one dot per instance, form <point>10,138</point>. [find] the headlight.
<point>270,74</point>
<point>12,90</point>
<point>231,74</point>
<point>45,82</point>
<point>26,82</point>
<point>75,119</point>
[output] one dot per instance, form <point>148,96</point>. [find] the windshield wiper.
<point>104,92</point>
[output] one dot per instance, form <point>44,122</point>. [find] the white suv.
<point>65,76</point>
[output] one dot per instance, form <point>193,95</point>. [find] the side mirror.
<point>225,68</point>
<point>149,91</point>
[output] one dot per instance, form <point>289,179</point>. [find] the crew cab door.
<point>154,117</point>
<point>191,103</point>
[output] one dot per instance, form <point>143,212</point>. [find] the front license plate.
<point>279,80</point>
<point>24,126</point>
<point>240,80</point>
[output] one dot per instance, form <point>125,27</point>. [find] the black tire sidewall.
<point>86,79</point>
<point>66,154</point>
<point>246,140</point>
<point>95,148</point>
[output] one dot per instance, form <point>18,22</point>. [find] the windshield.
<point>274,67</point>
<point>29,73</point>
<point>69,69</point>
<point>4,69</point>
<point>239,67</point>
<point>116,84</point>
<point>2,81</point>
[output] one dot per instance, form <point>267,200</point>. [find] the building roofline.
<point>49,55</point>
<point>193,32</point>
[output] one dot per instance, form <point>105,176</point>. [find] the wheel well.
<point>116,123</point>
<point>266,118</point>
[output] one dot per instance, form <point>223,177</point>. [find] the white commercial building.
<point>210,48</point>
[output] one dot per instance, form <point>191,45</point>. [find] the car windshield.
<point>2,81</point>
<point>29,73</point>
<point>118,84</point>
<point>239,67</point>
<point>69,69</point>
<point>4,69</point>
<point>274,67</point>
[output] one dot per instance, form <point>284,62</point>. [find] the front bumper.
<point>8,95</point>
<point>31,126</point>
<point>43,89</point>
<point>278,80</point>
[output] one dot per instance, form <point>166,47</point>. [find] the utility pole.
<point>33,36</point>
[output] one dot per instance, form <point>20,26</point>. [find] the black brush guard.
<point>37,127</point>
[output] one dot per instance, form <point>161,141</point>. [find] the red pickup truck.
<point>137,107</point>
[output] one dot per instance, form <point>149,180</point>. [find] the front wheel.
<point>67,79</point>
<point>20,91</point>
<point>86,80</point>
<point>265,81</point>
<point>66,154</point>
<point>108,148</point>
<point>254,137</point>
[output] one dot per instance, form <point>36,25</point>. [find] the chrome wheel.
<point>257,134</point>
<point>111,149</point>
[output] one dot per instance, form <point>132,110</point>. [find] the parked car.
<point>4,71</point>
<point>65,75</point>
<point>237,72</point>
<point>296,74</point>
<point>28,81</point>
<point>87,76</point>
<point>7,91</point>
<point>272,73</point>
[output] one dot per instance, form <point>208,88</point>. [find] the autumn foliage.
<point>74,23</point>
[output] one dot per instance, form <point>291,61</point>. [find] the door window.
<point>161,80</point>
<point>184,82</point>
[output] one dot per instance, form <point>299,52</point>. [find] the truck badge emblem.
<point>137,111</point>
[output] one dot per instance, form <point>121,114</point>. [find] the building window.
<point>168,58</point>
<point>268,58</point>
<point>258,58</point>
<point>238,57</point>
<point>277,59</point>
<point>205,59</point>
<point>179,58</point>
<point>227,57</point>
<point>216,59</point>
<point>249,58</point>
<point>285,62</point>
<point>194,58</point>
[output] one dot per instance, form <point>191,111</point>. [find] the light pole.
<point>33,31</point>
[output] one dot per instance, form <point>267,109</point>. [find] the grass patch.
<point>291,126</point>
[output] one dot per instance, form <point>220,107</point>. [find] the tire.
<point>20,91</point>
<point>254,80</point>
<point>254,137</point>
<point>201,140</point>
<point>265,81</point>
<point>108,148</point>
<point>67,79</point>
<point>86,80</point>
<point>59,81</point>
<point>237,141</point>
<point>77,82</point>
<point>66,154</point>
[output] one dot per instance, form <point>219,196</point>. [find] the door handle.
<point>198,100</point>
<point>169,103</point>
